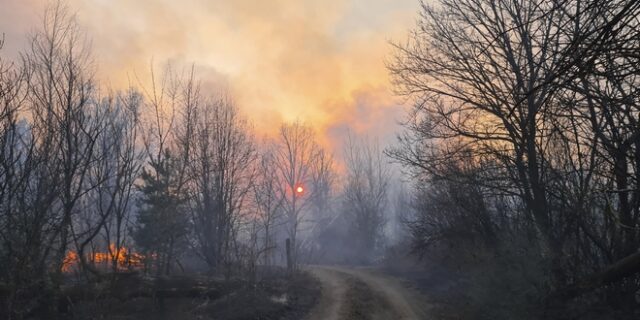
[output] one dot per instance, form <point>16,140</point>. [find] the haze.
<point>320,160</point>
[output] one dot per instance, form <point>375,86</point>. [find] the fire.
<point>126,259</point>
<point>70,260</point>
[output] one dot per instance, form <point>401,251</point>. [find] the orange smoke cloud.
<point>318,61</point>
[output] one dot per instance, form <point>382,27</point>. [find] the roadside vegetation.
<point>524,148</point>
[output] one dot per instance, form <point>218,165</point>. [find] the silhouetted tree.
<point>295,156</point>
<point>365,196</point>
<point>220,169</point>
<point>162,222</point>
<point>541,96</point>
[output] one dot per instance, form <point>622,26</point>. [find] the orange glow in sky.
<point>299,189</point>
<point>321,62</point>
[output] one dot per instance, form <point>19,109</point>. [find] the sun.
<point>299,189</point>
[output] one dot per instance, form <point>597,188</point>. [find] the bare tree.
<point>295,156</point>
<point>481,72</point>
<point>161,104</point>
<point>26,197</point>
<point>220,170</point>
<point>541,95</point>
<point>64,114</point>
<point>114,173</point>
<point>322,212</point>
<point>127,165</point>
<point>365,196</point>
<point>51,126</point>
<point>268,201</point>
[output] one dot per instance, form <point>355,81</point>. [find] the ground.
<point>362,293</point>
<point>316,293</point>
<point>190,297</point>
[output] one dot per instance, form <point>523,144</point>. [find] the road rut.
<point>359,293</point>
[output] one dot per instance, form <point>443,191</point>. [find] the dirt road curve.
<point>354,294</point>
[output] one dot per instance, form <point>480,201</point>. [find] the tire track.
<point>361,294</point>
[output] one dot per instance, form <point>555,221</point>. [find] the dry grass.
<point>277,297</point>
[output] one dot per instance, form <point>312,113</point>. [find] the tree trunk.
<point>289,260</point>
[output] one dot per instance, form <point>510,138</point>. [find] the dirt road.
<point>354,294</point>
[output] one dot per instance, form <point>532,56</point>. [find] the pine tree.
<point>162,221</point>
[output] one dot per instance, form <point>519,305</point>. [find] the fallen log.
<point>210,293</point>
<point>615,272</point>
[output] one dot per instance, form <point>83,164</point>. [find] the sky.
<point>321,62</point>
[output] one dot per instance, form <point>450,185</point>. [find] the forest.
<point>512,190</point>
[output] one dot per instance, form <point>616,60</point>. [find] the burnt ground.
<point>455,296</point>
<point>443,291</point>
<point>191,297</point>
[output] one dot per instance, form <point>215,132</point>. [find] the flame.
<point>70,260</point>
<point>126,259</point>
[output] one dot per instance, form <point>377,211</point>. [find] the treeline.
<point>157,179</point>
<point>525,146</point>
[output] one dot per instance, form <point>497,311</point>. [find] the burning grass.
<point>122,257</point>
